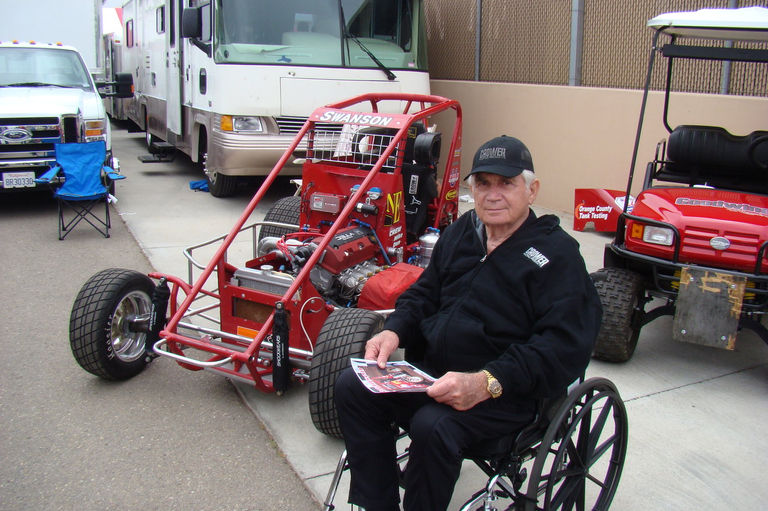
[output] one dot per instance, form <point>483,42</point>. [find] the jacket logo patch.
<point>537,257</point>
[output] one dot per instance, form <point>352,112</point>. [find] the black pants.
<point>439,437</point>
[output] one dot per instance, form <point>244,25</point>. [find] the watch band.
<point>493,385</point>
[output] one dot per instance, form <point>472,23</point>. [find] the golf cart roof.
<point>744,24</point>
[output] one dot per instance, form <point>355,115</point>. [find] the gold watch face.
<point>494,387</point>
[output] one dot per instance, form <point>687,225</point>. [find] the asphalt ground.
<point>172,437</point>
<point>169,439</point>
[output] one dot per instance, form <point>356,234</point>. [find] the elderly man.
<point>504,314</point>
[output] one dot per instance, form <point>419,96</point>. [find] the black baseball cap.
<point>505,156</point>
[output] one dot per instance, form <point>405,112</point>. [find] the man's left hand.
<point>460,391</point>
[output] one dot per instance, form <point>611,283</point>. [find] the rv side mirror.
<point>123,85</point>
<point>191,23</point>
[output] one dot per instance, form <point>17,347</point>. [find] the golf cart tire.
<point>284,211</point>
<point>343,336</point>
<point>621,294</point>
<point>100,333</point>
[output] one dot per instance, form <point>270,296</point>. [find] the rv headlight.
<point>241,124</point>
<point>658,235</point>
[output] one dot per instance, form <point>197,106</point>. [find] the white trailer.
<point>230,82</point>
<point>72,23</point>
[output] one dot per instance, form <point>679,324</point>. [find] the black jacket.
<point>528,312</point>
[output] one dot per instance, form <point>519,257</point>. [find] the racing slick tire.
<point>343,336</point>
<point>284,211</point>
<point>621,294</point>
<point>100,332</point>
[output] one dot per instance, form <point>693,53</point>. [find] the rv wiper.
<point>387,71</point>
<point>347,35</point>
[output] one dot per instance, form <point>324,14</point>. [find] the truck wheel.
<point>100,332</point>
<point>342,336</point>
<point>621,294</point>
<point>286,211</point>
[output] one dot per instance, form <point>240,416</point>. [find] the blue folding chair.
<point>81,181</point>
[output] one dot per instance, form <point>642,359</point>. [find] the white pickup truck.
<point>48,96</point>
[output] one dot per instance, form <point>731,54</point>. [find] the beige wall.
<point>583,137</point>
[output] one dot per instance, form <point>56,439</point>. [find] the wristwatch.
<point>493,387</point>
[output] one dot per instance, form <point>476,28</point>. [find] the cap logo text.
<point>493,152</point>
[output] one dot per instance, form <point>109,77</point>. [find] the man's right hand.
<point>380,347</point>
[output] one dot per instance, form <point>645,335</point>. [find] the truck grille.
<point>37,150</point>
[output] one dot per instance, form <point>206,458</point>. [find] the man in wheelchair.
<point>505,315</point>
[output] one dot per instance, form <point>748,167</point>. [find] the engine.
<point>343,269</point>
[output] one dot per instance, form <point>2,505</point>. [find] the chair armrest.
<point>112,175</point>
<point>49,176</point>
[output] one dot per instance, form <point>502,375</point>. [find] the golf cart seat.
<point>710,155</point>
<point>570,456</point>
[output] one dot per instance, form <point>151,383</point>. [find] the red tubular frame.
<point>447,200</point>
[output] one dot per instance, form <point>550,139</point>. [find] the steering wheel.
<point>763,165</point>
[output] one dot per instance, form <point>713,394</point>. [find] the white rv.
<point>230,82</point>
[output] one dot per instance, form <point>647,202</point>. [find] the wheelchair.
<point>570,457</point>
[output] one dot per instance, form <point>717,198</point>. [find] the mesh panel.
<point>528,41</point>
<point>525,41</point>
<point>353,144</point>
<point>451,38</point>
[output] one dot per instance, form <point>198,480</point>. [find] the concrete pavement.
<point>696,415</point>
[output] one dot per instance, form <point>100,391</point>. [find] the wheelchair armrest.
<point>50,177</point>
<point>112,175</point>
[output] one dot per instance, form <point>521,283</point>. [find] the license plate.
<point>18,179</point>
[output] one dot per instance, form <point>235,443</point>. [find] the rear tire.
<point>343,336</point>
<point>100,332</point>
<point>285,211</point>
<point>621,294</point>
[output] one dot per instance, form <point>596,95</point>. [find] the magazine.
<point>399,376</point>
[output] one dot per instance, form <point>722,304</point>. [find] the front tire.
<point>343,336</point>
<point>100,333</point>
<point>621,294</point>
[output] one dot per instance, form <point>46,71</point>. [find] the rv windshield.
<point>41,67</point>
<point>309,32</point>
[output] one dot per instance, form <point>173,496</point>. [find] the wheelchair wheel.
<point>579,462</point>
<point>285,211</point>
<point>342,336</point>
<point>100,332</point>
